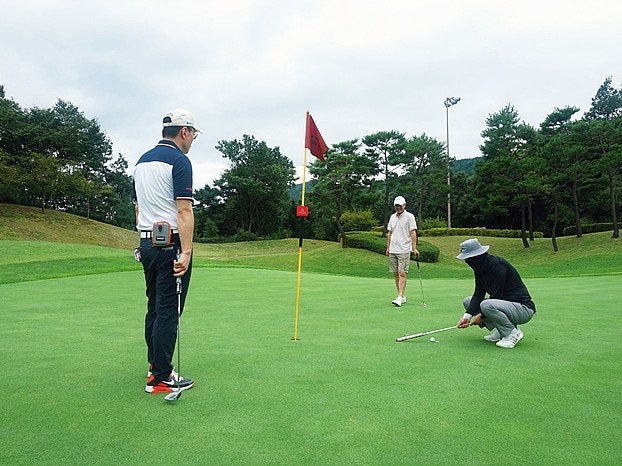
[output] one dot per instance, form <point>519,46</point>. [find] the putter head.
<point>173,396</point>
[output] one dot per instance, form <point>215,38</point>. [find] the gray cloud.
<point>256,67</point>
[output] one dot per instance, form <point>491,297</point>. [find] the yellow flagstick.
<point>304,176</point>
<point>302,203</point>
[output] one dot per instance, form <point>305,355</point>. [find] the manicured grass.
<point>30,223</point>
<point>346,393</point>
<point>35,236</point>
<point>593,254</point>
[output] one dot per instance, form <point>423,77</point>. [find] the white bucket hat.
<point>471,248</point>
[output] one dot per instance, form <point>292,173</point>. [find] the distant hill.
<point>296,191</point>
<point>465,165</point>
<point>460,165</point>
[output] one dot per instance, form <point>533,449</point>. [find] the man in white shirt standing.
<point>401,242</point>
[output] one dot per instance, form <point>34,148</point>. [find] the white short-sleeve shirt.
<point>400,228</point>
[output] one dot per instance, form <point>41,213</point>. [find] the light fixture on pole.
<point>449,101</point>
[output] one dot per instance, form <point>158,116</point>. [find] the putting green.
<point>346,393</point>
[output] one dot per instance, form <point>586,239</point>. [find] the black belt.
<point>148,233</point>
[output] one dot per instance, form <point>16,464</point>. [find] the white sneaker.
<point>403,299</point>
<point>510,340</point>
<point>397,301</point>
<point>493,336</point>
<point>174,374</point>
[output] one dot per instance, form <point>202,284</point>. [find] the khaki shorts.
<point>399,262</point>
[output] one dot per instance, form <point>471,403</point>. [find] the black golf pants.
<point>162,303</point>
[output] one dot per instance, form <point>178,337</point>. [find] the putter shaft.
<point>421,283</point>
<point>421,334</point>
<point>174,396</point>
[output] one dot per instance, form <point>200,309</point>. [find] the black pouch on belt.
<point>162,234</point>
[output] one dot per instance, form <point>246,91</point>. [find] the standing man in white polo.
<point>401,242</point>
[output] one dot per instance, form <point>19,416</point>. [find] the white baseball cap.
<point>179,117</point>
<point>399,200</point>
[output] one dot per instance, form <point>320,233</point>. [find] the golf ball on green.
<point>432,339</point>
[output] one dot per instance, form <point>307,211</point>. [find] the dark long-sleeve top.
<point>500,280</point>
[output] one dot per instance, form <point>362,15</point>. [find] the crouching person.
<point>509,303</point>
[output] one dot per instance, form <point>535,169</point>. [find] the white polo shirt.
<point>400,228</point>
<point>161,176</point>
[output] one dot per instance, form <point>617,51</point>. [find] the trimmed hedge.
<point>475,232</point>
<point>589,228</point>
<point>376,243</point>
<point>357,220</point>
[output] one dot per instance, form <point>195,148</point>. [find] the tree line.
<point>56,158</point>
<point>565,172</point>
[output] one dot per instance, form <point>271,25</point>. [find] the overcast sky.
<point>256,67</point>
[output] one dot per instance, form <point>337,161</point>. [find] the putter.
<point>422,334</point>
<point>174,396</point>
<point>421,283</point>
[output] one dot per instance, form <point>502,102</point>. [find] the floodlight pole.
<point>449,101</point>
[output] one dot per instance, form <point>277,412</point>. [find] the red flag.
<point>314,140</point>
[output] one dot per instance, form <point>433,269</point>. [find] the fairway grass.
<point>345,393</point>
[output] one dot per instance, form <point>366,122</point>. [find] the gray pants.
<point>502,315</point>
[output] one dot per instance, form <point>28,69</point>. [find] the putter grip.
<point>178,279</point>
